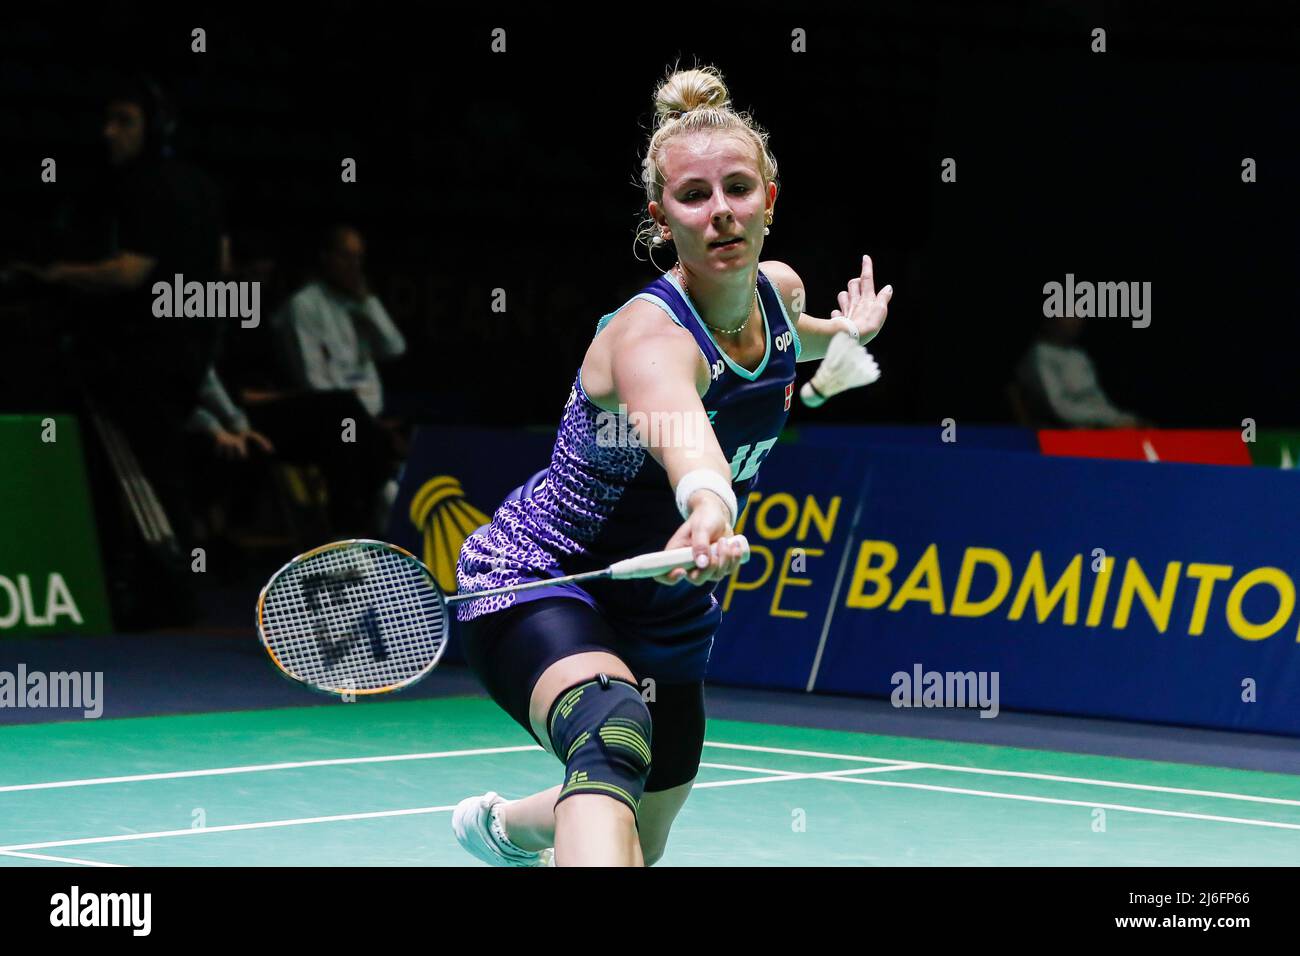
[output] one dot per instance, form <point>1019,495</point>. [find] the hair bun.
<point>701,96</point>
<point>687,90</point>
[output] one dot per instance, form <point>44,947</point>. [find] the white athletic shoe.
<point>476,821</point>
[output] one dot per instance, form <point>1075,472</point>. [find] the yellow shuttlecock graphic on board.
<point>440,511</point>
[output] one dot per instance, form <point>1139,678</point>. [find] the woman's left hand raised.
<point>862,305</point>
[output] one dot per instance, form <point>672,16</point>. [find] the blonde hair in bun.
<point>690,101</point>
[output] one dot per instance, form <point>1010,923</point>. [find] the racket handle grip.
<point>661,562</point>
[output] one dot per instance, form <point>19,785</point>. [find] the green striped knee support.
<point>601,730</point>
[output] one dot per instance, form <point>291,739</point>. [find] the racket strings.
<point>358,617</point>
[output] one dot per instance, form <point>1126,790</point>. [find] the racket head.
<point>354,617</point>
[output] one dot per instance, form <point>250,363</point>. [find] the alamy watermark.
<point>128,910</point>
<point>676,429</point>
<point>1101,300</point>
<point>947,689</point>
<point>208,300</point>
<point>79,690</point>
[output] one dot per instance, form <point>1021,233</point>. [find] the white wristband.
<point>693,481</point>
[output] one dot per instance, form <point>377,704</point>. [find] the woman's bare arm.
<point>657,375</point>
<point>815,334</point>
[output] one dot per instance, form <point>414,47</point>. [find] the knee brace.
<point>601,730</point>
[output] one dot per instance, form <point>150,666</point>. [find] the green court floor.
<point>373,783</point>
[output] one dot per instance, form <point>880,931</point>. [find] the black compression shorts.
<point>510,649</point>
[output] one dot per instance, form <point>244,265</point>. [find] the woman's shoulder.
<point>642,330</point>
<point>644,314</point>
<point>640,319</point>
<point>785,280</point>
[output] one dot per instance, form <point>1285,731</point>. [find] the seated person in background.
<point>217,428</point>
<point>332,330</point>
<point>1059,384</point>
<point>218,417</point>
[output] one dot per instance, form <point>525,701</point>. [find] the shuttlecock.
<point>846,365</point>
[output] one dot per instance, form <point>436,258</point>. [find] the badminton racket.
<point>365,617</point>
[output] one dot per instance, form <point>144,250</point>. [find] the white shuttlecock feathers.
<point>846,365</point>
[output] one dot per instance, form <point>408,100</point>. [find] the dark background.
<point>519,171</point>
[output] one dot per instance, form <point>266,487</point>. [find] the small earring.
<point>653,247</point>
<point>767,231</point>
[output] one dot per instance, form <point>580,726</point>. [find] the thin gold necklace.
<point>681,275</point>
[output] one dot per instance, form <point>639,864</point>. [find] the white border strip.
<point>229,828</point>
<point>347,761</point>
<point>59,859</point>
<point>1027,775</point>
<point>1244,821</point>
<point>777,775</point>
<point>259,768</point>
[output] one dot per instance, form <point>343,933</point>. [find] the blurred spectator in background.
<point>329,334</point>
<point>152,218</point>
<point>1056,383</point>
<point>230,434</point>
<point>228,462</point>
<point>163,218</point>
<point>333,329</point>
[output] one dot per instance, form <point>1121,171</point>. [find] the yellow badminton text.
<point>1069,590</point>
<point>777,517</point>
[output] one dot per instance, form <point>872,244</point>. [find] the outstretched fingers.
<point>868,277</point>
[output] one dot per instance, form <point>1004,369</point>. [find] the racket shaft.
<point>528,585</point>
<point>642,566</point>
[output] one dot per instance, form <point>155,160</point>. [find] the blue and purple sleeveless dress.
<point>600,501</point>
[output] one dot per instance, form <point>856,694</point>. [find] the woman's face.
<point>713,192</point>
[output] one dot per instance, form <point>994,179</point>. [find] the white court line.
<point>848,775</point>
<point>294,765</point>
<point>1055,778</point>
<point>59,859</point>
<point>259,768</point>
<point>200,831</point>
<point>764,770</point>
<point>778,775</point>
<point>1186,815</point>
<point>197,831</point>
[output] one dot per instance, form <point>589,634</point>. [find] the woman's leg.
<point>531,820</point>
<point>591,829</point>
<point>565,643</point>
<point>658,811</point>
<point>677,715</point>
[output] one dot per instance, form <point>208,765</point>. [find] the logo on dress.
<point>789,393</point>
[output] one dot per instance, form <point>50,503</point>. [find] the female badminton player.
<point>680,397</point>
